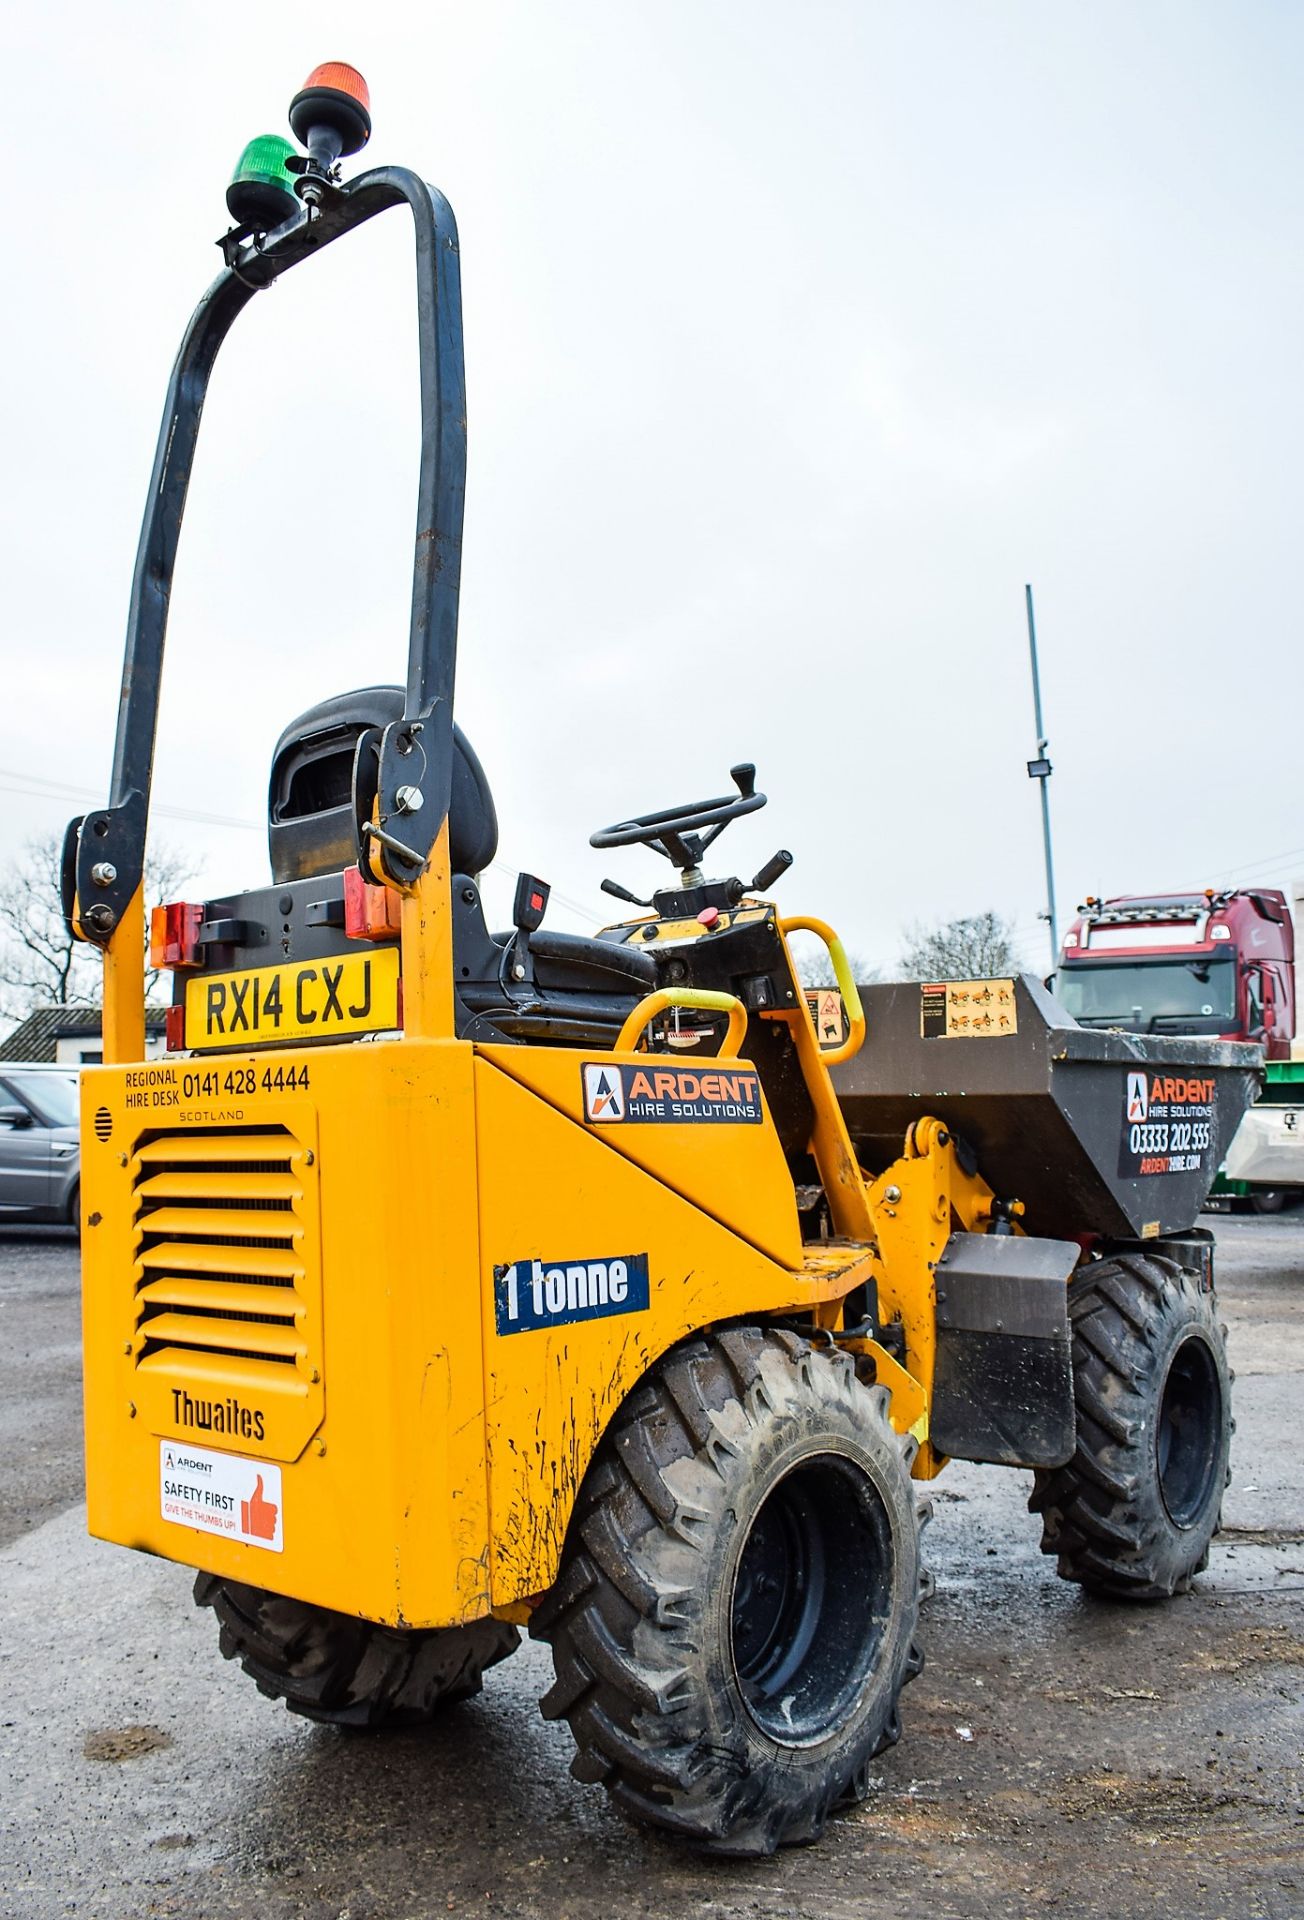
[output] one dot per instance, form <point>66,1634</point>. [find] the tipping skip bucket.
<point>1100,1132</point>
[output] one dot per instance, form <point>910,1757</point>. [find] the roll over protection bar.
<point>104,851</point>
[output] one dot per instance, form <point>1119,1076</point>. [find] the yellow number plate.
<point>316,1000</point>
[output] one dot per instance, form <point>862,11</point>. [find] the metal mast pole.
<point>1040,770</point>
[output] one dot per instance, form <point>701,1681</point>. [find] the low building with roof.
<point>72,1035</point>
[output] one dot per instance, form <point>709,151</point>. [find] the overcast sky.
<point>798,337</point>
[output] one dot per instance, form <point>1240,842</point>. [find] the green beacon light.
<point>261,194</point>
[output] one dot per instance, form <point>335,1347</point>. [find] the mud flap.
<point>1003,1384</point>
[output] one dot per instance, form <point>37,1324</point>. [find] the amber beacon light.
<point>331,113</point>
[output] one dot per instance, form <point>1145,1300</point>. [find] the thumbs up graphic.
<point>258,1516</point>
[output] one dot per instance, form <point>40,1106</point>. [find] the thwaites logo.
<point>529,1294</point>
<point>218,1416</point>
<point>655,1095</point>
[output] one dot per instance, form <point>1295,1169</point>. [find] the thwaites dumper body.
<point>441,1282</point>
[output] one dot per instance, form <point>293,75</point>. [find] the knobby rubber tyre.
<point>734,1616</point>
<point>1132,1514</point>
<point>345,1671</point>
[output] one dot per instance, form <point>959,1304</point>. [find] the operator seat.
<point>310,828</point>
<point>581,990</point>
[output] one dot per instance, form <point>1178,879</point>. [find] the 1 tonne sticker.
<point>1168,1124</point>
<point>219,1493</point>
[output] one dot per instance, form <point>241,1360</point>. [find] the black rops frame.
<point>104,852</point>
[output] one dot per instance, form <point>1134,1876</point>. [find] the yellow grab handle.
<point>654,1003</point>
<point>846,987</point>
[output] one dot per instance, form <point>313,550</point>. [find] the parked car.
<point>40,1142</point>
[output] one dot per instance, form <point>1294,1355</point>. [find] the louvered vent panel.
<point>219,1245</point>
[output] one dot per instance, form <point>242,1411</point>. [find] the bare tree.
<point>974,947</point>
<point>41,965</point>
<point>815,967</point>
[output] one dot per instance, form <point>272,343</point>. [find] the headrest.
<point>310,827</point>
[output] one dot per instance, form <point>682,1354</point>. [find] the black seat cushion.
<point>580,990</point>
<point>571,960</point>
<point>310,827</point>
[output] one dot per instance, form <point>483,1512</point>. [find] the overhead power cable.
<point>42,789</point>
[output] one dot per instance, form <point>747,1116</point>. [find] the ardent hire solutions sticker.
<point>656,1094</point>
<point>219,1493</point>
<point>1169,1123</point>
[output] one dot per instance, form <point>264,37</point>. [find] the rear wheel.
<point>735,1613</point>
<point>1132,1514</point>
<point>345,1671</point>
<point>1267,1200</point>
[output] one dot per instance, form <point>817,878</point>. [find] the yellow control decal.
<point>313,1000</point>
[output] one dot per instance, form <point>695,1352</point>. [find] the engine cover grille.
<point>227,1285</point>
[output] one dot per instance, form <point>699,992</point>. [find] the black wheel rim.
<point>1188,1437</point>
<point>812,1599</point>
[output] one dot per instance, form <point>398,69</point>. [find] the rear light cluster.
<point>370,912</point>
<point>174,935</point>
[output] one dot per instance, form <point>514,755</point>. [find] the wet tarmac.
<point>1059,1755</point>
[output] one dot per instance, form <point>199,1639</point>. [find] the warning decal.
<point>219,1493</point>
<point>967,1009</point>
<point>826,1011</point>
<point>1168,1124</point>
<point>671,1095</point>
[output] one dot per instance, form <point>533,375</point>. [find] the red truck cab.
<point>1210,963</point>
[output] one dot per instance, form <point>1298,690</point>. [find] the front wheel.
<point>734,1617</point>
<point>1132,1514</point>
<point>344,1671</point>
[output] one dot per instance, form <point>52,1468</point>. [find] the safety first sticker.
<point>1168,1124</point>
<point>669,1095</point>
<point>967,1009</point>
<point>220,1493</point>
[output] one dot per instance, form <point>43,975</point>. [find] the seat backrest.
<point>310,827</point>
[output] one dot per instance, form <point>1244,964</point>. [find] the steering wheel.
<point>648,828</point>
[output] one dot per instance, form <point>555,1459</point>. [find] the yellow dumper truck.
<point>442,1282</point>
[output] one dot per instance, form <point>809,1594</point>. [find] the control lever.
<point>774,869</point>
<point>617,892</point>
<point>744,778</point>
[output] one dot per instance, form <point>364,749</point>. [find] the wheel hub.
<point>1187,1432</point>
<point>811,1592</point>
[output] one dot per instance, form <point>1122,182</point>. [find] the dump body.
<point>1097,1132</point>
<point>1221,965</point>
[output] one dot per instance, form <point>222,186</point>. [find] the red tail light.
<point>174,935</point>
<point>175,1031</point>
<point>370,913</point>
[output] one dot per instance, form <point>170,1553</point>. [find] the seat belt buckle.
<point>530,903</point>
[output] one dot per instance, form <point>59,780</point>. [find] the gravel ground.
<point>1058,1756</point>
